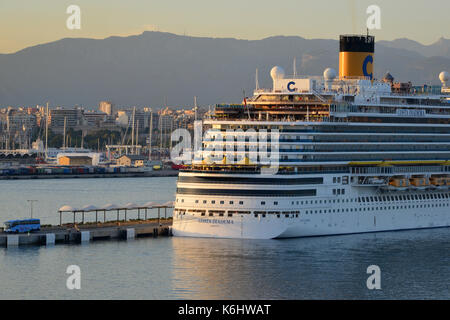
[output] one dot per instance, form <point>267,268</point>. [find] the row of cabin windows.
<point>214,201</point>
<point>296,213</point>
<point>287,214</point>
<point>404,197</point>
<point>378,208</point>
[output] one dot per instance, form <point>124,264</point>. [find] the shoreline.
<point>159,173</point>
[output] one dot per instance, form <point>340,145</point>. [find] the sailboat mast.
<point>150,136</point>
<point>64,136</point>
<point>137,135</point>
<point>46,132</point>
<point>132,131</point>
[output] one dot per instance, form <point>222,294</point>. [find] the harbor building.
<point>75,160</point>
<point>132,160</point>
<point>106,107</point>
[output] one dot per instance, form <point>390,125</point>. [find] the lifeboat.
<point>438,182</point>
<point>398,184</point>
<point>420,183</point>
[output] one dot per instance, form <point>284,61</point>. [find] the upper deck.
<point>331,99</point>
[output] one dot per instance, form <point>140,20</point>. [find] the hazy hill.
<point>439,48</point>
<point>143,69</point>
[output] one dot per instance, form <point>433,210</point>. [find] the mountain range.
<point>155,68</point>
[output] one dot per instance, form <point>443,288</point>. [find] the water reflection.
<point>414,264</point>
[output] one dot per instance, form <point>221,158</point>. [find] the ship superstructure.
<point>353,154</point>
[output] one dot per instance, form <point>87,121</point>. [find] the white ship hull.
<point>317,216</point>
<point>321,225</point>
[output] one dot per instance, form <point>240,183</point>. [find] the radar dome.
<point>444,76</point>
<point>277,73</point>
<point>329,74</point>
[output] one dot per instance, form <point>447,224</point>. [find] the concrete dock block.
<point>85,236</point>
<point>50,239</point>
<point>131,233</point>
<point>12,240</point>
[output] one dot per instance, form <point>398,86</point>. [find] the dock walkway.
<point>78,233</point>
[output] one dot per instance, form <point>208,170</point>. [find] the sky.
<point>25,23</point>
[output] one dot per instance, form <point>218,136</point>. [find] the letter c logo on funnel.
<point>368,59</point>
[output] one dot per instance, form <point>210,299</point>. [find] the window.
<point>276,203</point>
<point>231,202</point>
<point>204,201</point>
<point>241,202</point>
<point>213,201</point>
<point>222,202</point>
<point>263,202</point>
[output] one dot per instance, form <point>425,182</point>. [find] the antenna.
<point>195,108</point>
<point>295,67</point>
<point>257,80</point>
<point>245,103</point>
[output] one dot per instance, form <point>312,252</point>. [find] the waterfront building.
<point>132,160</point>
<point>106,107</point>
<point>72,116</point>
<point>75,160</point>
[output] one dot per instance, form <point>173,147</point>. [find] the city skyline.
<point>32,24</point>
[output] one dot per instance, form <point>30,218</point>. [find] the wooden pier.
<point>84,233</point>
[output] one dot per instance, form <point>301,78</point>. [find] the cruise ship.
<point>349,153</point>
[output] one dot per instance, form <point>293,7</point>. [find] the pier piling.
<point>12,240</point>
<point>130,233</point>
<point>50,239</point>
<point>85,236</point>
